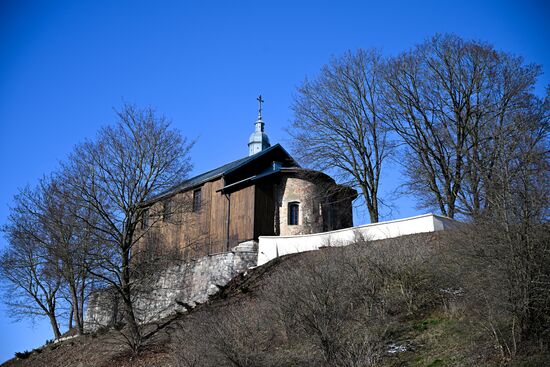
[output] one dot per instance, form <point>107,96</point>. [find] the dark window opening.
<point>197,200</point>
<point>167,212</point>
<point>328,217</point>
<point>293,213</point>
<point>145,219</point>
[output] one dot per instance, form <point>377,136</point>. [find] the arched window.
<point>293,213</point>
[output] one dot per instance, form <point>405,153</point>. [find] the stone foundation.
<point>174,289</point>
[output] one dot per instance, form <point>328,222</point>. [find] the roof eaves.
<point>260,154</point>
<point>189,183</point>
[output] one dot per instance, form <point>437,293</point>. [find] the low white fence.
<point>271,247</point>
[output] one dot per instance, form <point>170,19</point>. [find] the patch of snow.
<point>65,338</point>
<point>395,348</point>
<point>452,291</point>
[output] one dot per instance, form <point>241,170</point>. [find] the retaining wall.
<point>187,283</point>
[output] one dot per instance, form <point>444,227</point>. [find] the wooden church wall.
<point>196,234</point>
<point>241,221</point>
<point>264,210</point>
<point>241,227</point>
<point>218,223</point>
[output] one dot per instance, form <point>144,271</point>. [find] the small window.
<point>197,200</point>
<point>145,219</point>
<point>293,213</point>
<point>167,210</point>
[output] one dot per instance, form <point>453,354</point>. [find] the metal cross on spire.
<point>260,101</point>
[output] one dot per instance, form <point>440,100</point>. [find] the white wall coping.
<point>270,247</point>
<point>363,226</point>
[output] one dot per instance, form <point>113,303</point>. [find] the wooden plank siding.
<point>196,234</point>
<point>218,222</point>
<point>241,215</point>
<point>264,211</point>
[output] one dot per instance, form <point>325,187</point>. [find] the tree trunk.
<point>71,318</point>
<point>81,302</point>
<point>372,204</point>
<point>129,315</point>
<point>55,326</point>
<point>75,310</point>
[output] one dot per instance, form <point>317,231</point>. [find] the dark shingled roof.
<point>210,175</point>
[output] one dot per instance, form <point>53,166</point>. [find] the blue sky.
<point>65,65</point>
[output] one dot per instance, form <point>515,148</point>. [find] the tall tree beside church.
<point>455,104</point>
<point>73,238</point>
<point>338,124</point>
<point>113,176</point>
<point>45,263</point>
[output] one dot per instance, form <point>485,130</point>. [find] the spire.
<point>258,140</point>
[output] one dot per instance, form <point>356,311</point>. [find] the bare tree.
<point>72,239</point>
<point>515,230</point>
<point>453,103</point>
<point>43,221</point>
<point>113,176</point>
<point>27,266</point>
<point>338,123</point>
<point>477,145</point>
<point>505,251</point>
<point>516,187</point>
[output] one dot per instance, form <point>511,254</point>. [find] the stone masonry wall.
<point>304,192</point>
<point>185,284</point>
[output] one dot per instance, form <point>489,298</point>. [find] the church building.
<point>266,193</point>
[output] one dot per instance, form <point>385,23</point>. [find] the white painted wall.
<point>271,247</point>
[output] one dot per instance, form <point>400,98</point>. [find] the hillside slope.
<point>409,301</point>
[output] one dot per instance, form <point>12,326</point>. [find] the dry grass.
<point>251,321</point>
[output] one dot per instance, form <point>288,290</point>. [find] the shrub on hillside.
<point>505,273</point>
<point>345,306</point>
<point>23,355</point>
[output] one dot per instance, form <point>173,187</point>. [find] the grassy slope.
<point>431,336</point>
